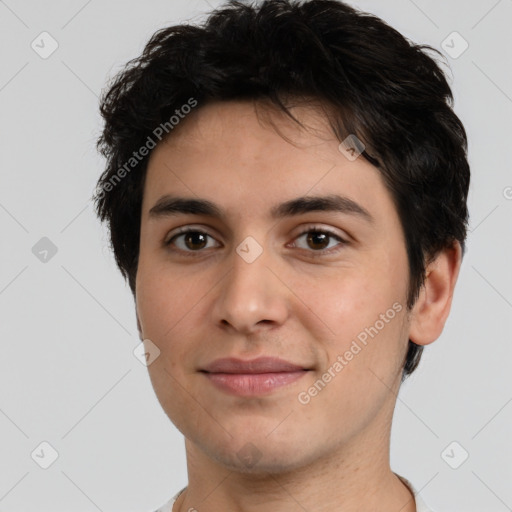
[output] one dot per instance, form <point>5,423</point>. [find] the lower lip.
<point>253,384</point>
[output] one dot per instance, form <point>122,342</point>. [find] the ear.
<point>431,310</point>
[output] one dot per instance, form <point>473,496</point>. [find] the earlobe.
<point>431,310</point>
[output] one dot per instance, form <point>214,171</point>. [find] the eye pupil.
<point>315,236</point>
<point>192,237</point>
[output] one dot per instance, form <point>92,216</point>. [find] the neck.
<point>349,478</point>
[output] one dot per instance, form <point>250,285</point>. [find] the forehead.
<point>250,157</point>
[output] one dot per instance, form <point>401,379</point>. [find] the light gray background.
<point>67,372</point>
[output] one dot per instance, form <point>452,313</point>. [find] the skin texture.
<point>296,301</point>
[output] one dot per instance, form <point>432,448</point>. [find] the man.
<point>286,193</point>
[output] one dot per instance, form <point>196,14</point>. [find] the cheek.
<point>164,298</point>
<point>165,307</point>
<point>173,306</point>
<point>353,301</point>
<point>364,309</point>
<point>363,358</point>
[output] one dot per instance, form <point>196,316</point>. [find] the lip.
<point>253,377</point>
<point>252,366</point>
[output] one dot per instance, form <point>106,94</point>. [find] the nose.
<point>251,296</point>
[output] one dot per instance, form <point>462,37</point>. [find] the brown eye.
<point>317,240</point>
<point>195,240</point>
<point>190,241</point>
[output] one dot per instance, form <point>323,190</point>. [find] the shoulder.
<point>421,506</point>
<point>167,507</point>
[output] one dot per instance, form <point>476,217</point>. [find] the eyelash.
<point>308,229</point>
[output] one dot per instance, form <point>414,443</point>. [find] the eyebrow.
<point>170,205</point>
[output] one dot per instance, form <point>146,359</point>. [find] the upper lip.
<point>254,366</point>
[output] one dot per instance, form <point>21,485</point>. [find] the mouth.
<point>254,377</point>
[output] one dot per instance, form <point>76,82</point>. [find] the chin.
<point>257,454</point>
<point>251,460</point>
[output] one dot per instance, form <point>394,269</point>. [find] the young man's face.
<point>306,299</point>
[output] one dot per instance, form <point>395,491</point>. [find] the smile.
<point>251,378</point>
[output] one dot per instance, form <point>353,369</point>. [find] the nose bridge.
<point>250,292</point>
